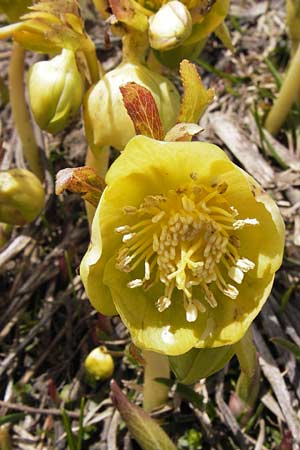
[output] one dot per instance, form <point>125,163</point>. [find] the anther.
<point>135,283</point>
<point>231,291</point>
<point>236,274</point>
<point>122,229</point>
<point>238,224</point>
<point>163,303</point>
<point>128,237</point>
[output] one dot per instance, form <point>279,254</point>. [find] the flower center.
<point>185,239</point>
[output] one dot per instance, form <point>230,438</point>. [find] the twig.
<point>228,417</point>
<point>32,410</point>
<point>273,375</point>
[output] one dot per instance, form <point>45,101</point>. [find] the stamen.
<point>123,229</point>
<point>135,283</point>
<point>231,291</point>
<point>147,270</point>
<point>130,209</point>
<point>158,217</point>
<point>191,312</point>
<point>201,308</point>
<point>163,303</point>
<point>188,204</point>
<point>238,224</point>
<point>245,264</point>
<point>236,274</point>
<point>128,237</point>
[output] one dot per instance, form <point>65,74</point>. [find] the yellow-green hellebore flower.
<point>56,91</point>
<point>184,246</point>
<point>105,116</point>
<point>21,196</point>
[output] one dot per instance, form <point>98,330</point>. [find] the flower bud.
<point>99,363</point>
<point>106,119</point>
<point>21,196</point>
<point>56,90</point>
<point>170,26</point>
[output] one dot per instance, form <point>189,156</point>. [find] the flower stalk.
<point>20,111</point>
<point>288,93</point>
<point>155,393</point>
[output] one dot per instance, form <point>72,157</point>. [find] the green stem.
<point>157,366</point>
<point>98,160</point>
<point>288,93</point>
<point>94,65</point>
<point>20,111</point>
<point>134,47</point>
<point>248,384</point>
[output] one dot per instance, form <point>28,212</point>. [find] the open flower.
<point>184,246</point>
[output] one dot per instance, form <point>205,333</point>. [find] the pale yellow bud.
<point>99,363</point>
<point>21,196</point>
<point>106,119</point>
<point>56,90</point>
<point>170,26</point>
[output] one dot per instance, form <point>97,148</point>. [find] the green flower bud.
<point>99,363</point>
<point>200,363</point>
<point>56,91</point>
<point>106,119</point>
<point>21,196</point>
<point>14,9</point>
<point>170,26</point>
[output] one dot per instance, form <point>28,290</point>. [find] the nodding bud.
<point>170,26</point>
<point>99,364</point>
<point>21,196</point>
<point>56,91</point>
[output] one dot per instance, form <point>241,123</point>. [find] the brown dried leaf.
<point>142,110</point>
<point>81,180</point>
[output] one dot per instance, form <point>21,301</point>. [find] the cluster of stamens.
<point>185,239</point>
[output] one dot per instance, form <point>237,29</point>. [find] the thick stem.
<point>99,162</point>
<point>288,93</point>
<point>247,387</point>
<point>134,46</point>
<point>157,366</point>
<point>20,111</point>
<point>94,65</point>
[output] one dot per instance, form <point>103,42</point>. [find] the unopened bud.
<point>21,196</point>
<point>170,26</point>
<point>106,119</point>
<point>56,90</point>
<point>99,363</point>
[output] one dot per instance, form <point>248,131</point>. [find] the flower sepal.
<point>200,363</point>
